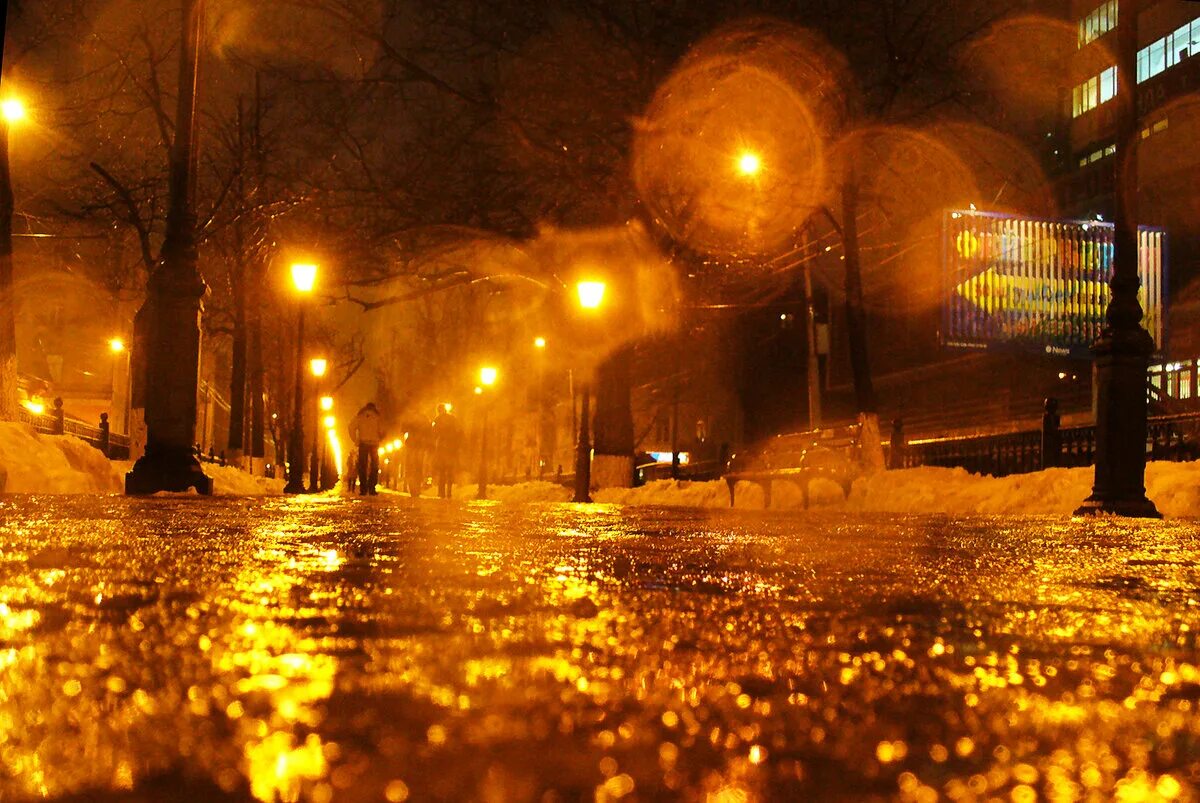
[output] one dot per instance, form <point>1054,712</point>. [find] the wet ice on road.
<point>377,649</point>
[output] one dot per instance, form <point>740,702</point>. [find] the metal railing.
<point>48,424</point>
<point>1173,437</point>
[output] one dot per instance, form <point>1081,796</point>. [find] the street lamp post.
<point>328,420</point>
<point>120,354</point>
<point>304,275</point>
<point>539,345</point>
<point>487,378</point>
<point>591,296</point>
<point>11,111</point>
<point>1122,352</point>
<point>318,366</point>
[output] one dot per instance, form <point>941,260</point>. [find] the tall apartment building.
<point>1168,107</point>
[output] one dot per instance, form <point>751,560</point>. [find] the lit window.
<point>1161,125</point>
<point>1094,91</point>
<point>1098,22</point>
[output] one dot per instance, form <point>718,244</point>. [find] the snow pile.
<point>1173,487</point>
<point>785,495</point>
<point>232,481</point>
<point>929,489</point>
<point>52,464</point>
<point>520,492</point>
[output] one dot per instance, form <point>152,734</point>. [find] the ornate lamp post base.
<point>166,469</point>
<point>1119,374</point>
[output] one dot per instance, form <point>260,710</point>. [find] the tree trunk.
<point>237,382</point>
<point>613,421</point>
<point>870,440</point>
<point>856,319</point>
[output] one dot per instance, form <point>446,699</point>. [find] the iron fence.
<point>1173,437</point>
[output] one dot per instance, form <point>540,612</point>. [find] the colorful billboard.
<point>1038,285</point>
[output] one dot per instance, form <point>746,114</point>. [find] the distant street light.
<point>304,276</point>
<point>539,342</point>
<point>318,366</point>
<point>487,378</point>
<point>326,403</point>
<point>116,345</point>
<point>749,163</point>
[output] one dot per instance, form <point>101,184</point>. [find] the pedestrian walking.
<point>447,439</point>
<point>366,430</point>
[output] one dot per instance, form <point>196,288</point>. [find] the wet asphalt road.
<point>378,649</point>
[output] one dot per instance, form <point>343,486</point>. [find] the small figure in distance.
<point>366,430</point>
<point>446,440</point>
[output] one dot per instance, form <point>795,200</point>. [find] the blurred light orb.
<point>327,403</point>
<point>12,109</point>
<point>760,92</point>
<point>116,345</point>
<point>539,342</point>
<point>318,365</point>
<point>487,375</point>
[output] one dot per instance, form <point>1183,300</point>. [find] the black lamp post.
<point>591,296</point>
<point>1122,353</point>
<point>304,275</point>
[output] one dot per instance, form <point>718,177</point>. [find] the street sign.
<point>1038,285</point>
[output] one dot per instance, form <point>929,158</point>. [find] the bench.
<point>801,457</point>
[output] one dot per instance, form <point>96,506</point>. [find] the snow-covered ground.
<point>31,462</point>
<point>1173,487</point>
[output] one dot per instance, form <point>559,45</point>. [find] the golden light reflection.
<point>277,678</point>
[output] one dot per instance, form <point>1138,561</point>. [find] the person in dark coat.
<point>447,440</point>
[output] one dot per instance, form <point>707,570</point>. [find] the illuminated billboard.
<point>1038,285</point>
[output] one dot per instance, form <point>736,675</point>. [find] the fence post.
<point>59,416</point>
<point>1051,437</point>
<point>897,447</point>
<point>104,435</point>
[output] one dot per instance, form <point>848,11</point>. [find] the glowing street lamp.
<point>539,342</point>
<point>304,278</point>
<point>478,390</point>
<point>326,403</point>
<point>116,345</point>
<point>749,163</point>
<point>591,294</point>
<point>318,366</point>
<point>330,422</point>
<point>487,375</point>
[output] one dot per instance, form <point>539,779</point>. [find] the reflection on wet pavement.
<point>318,649</point>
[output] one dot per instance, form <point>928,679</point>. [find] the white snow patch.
<point>232,481</point>
<point>31,462</point>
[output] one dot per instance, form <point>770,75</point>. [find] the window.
<point>1098,22</point>
<point>1094,91</point>
<point>1096,155</point>
<point>1183,43</point>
